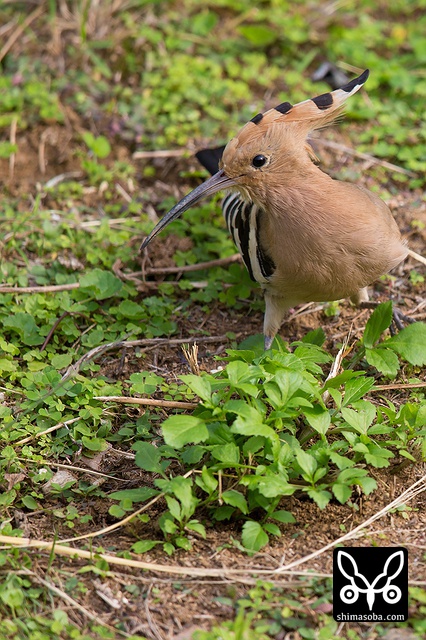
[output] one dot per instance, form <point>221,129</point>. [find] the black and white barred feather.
<point>243,219</point>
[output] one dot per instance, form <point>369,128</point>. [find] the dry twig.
<point>50,288</point>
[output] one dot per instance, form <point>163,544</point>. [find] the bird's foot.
<point>399,319</point>
<point>268,342</point>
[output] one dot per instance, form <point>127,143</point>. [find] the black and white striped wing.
<point>243,219</point>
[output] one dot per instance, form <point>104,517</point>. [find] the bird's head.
<point>265,149</point>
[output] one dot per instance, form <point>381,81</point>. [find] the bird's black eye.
<point>259,161</point>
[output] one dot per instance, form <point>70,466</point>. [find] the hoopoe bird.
<point>303,236</point>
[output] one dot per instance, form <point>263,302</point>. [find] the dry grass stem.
<point>191,356</point>
<point>55,427</point>
<point>50,288</point>
<point>71,467</point>
<point>335,367</point>
<point>169,404</point>
<point>402,385</point>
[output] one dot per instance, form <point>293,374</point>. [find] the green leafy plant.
<point>263,429</point>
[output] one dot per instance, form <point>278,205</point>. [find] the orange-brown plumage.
<point>304,236</point>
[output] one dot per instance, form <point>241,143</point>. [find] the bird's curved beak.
<point>216,183</point>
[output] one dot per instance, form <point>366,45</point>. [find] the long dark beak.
<point>216,183</point>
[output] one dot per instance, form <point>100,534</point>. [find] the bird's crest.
<point>310,114</point>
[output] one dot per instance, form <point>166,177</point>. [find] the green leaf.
<point>248,428</point>
<point>168,548</point>
<point>116,511</point>
<point>204,22</point>
<point>61,360</point>
<point>272,528</point>
<point>257,34</point>
<point>223,513</point>
<point>241,408</point>
<point>283,516</point>
<point>378,456</point>
<point>193,454</point>
<point>384,360</point>
<point>253,536</point>
<point>316,336</point>
<point>29,502</point>
<point>206,481</point>
<point>101,284</point>
<point>238,371</point>
<point>181,430</point>
<point>318,418</point>
<point>253,445</point>
<point>167,524</point>
<point>362,419</point>
<point>7,365</point>
<point>356,388</point>
<point>307,463</point>
<point>249,421</point>
<point>272,486</point>
<point>194,525</point>
<point>284,386</point>
<point>199,385</point>
<point>183,543</point>
<point>320,497</point>
<point>99,145</point>
<point>11,596</point>
<point>227,453</point>
<point>182,489</point>
<point>367,484</point>
<point>142,546</point>
<point>94,444</point>
<point>130,309</point>
<point>24,325</point>
<point>148,457</point>
<point>379,320</point>
<point>235,499</point>
<point>145,382</point>
<point>174,508</point>
<point>342,492</point>
<point>410,343</point>
<point>341,462</point>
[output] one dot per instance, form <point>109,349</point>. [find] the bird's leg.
<point>275,310</point>
<point>361,297</point>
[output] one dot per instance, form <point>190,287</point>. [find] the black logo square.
<point>370,584</point>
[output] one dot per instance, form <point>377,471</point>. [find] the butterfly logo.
<point>359,583</point>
